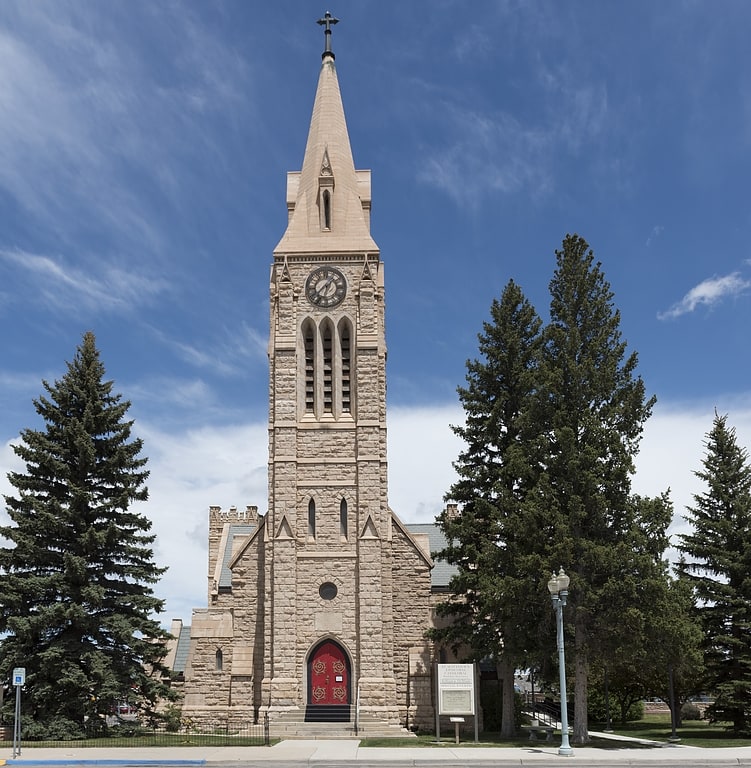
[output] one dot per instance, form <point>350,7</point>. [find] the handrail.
<point>357,710</point>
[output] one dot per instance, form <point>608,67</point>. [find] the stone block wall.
<point>412,650</point>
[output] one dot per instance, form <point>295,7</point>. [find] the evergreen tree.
<point>593,414</point>
<point>718,563</point>
<point>77,572</point>
<point>492,611</point>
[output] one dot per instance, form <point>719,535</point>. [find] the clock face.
<point>325,287</point>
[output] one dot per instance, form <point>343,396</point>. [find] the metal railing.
<point>546,712</point>
<point>133,735</point>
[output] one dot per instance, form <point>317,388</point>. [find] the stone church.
<point>318,609</point>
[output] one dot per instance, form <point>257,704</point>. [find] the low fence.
<point>132,735</point>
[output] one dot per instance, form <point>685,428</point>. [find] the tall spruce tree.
<point>718,563</point>
<point>76,576</point>
<point>593,412</point>
<point>490,541</point>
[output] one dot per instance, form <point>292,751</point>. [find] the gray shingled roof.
<point>225,578</point>
<point>181,652</point>
<point>442,571</point>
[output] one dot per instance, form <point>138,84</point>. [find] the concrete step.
<point>297,724</point>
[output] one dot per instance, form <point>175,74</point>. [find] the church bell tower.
<point>330,635</point>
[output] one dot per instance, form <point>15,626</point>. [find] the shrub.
<point>54,729</point>
<point>173,716</point>
<point>689,711</point>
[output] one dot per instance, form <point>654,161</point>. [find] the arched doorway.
<point>329,673</point>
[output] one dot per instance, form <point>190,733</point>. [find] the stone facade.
<point>329,572</point>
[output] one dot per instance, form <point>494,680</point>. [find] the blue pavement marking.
<point>80,761</point>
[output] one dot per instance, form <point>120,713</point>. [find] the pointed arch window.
<point>310,379</point>
<point>325,192</point>
<point>343,523</point>
<point>326,209</point>
<point>328,369</point>
<point>312,519</point>
<point>346,358</point>
<point>219,660</point>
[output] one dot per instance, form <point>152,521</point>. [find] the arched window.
<point>328,370</point>
<point>310,374</point>
<point>326,209</point>
<point>219,660</point>
<point>343,518</point>
<point>312,519</point>
<point>346,352</point>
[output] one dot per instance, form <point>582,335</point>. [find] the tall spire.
<point>328,200</point>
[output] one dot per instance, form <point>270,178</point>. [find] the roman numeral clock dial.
<point>325,287</point>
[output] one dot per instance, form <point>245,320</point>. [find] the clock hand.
<point>324,287</point>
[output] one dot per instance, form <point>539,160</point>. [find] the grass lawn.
<point>695,733</point>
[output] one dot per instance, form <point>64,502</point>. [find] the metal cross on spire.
<point>326,22</point>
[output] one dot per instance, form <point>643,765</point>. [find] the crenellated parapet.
<point>221,522</point>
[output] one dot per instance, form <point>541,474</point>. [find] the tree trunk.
<point>506,671</point>
<point>581,670</point>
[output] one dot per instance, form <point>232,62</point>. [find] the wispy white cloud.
<point>487,152</point>
<point>70,289</point>
<point>95,136</point>
<point>579,105</point>
<point>227,356</point>
<point>497,151</point>
<point>708,293</point>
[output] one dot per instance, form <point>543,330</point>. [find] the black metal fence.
<point>239,735</point>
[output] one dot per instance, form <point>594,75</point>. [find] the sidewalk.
<point>348,752</point>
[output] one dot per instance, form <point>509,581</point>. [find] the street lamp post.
<point>558,588</point>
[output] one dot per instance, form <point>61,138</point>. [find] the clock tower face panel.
<point>325,287</point>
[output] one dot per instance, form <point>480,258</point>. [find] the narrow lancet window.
<point>328,370</point>
<point>346,370</point>
<point>219,660</point>
<point>326,209</point>
<point>312,519</point>
<point>310,378</point>
<point>343,518</point>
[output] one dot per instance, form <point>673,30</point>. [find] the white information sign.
<point>456,689</point>
<point>19,676</point>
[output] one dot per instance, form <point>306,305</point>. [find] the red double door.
<point>328,675</point>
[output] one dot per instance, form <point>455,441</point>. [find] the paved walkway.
<point>347,752</point>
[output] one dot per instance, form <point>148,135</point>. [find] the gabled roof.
<point>235,531</point>
<point>181,652</point>
<point>442,571</point>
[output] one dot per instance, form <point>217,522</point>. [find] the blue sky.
<point>143,157</point>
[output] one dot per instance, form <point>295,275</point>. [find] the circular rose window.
<point>327,590</point>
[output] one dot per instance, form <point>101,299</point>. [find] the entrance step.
<point>328,713</point>
<point>304,724</point>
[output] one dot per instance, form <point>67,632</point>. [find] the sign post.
<point>19,678</point>
<point>456,694</point>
